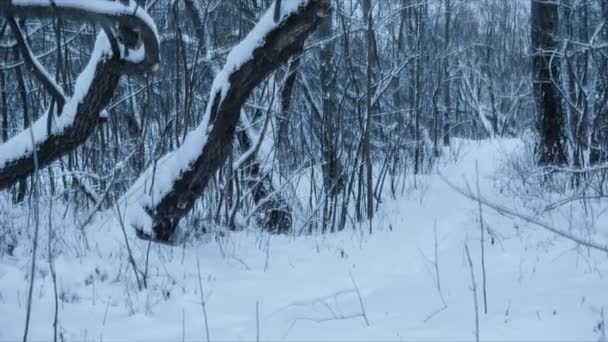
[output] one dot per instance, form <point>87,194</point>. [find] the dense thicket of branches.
<point>374,94</point>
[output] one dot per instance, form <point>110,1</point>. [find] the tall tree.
<point>332,169</point>
<point>599,138</point>
<point>446,71</point>
<point>546,67</point>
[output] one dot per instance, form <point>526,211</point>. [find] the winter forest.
<point>303,170</point>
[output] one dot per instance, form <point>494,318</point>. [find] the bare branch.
<point>41,74</point>
<point>528,218</point>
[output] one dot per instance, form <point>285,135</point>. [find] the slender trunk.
<point>22,187</point>
<point>284,146</point>
<point>446,70</point>
<point>331,166</point>
<point>599,151</point>
<point>368,120</point>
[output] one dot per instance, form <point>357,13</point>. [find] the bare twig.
<point>105,314</point>
<point>435,263</point>
<point>41,74</point>
<point>36,194</point>
<point>124,233</point>
<point>363,313</point>
<point>266,261</point>
<point>528,218</point>
<point>183,325</point>
<point>200,287</point>
<point>257,321</point>
<point>98,203</point>
<point>53,273</point>
<point>474,289</point>
<point>482,230</point>
<point>602,326</point>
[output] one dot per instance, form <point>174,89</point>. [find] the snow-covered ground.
<point>345,286</point>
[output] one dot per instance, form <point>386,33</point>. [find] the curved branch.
<point>125,13</point>
<point>181,177</point>
<point>94,87</point>
<point>30,60</point>
<point>583,241</point>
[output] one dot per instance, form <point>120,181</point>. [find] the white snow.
<point>539,287</point>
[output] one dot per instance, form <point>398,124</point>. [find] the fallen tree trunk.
<point>167,191</point>
<point>137,51</point>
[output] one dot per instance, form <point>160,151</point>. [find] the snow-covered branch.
<point>125,13</point>
<point>94,87</point>
<point>41,74</point>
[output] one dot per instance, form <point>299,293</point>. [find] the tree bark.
<point>446,71</point>
<point>599,138</point>
<point>546,66</point>
<point>372,62</point>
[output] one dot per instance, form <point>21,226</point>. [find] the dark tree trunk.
<point>546,66</point>
<point>4,107</point>
<point>599,149</point>
<point>22,187</point>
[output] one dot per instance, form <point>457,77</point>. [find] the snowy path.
<point>539,288</point>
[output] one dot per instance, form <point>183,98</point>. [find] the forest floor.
<point>337,287</point>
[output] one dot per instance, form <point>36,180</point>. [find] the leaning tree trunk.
<point>56,134</point>
<point>550,118</point>
<point>167,191</point>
